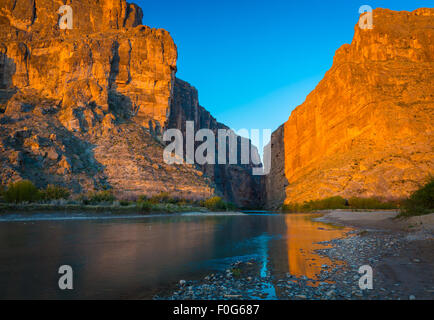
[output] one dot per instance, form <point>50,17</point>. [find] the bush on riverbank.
<point>22,191</point>
<point>421,202</point>
<point>96,197</point>
<point>309,206</point>
<point>144,206</point>
<point>217,204</point>
<point>371,203</point>
<point>2,192</point>
<point>53,192</point>
<point>338,202</point>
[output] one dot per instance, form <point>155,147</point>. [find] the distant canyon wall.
<point>367,128</point>
<point>235,182</point>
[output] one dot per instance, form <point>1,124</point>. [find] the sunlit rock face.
<point>367,128</point>
<point>85,108</point>
<point>108,59</point>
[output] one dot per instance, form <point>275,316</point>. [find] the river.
<point>137,257</point>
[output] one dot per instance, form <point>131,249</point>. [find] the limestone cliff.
<point>108,59</point>
<point>235,182</point>
<point>85,108</point>
<point>367,128</point>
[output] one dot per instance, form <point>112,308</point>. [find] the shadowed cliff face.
<point>234,182</point>
<point>276,181</point>
<point>86,107</point>
<point>367,128</point>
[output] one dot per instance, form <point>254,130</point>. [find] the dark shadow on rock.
<point>120,105</point>
<point>7,70</point>
<point>276,181</point>
<point>54,156</point>
<point>234,182</point>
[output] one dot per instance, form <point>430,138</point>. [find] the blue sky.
<point>254,61</point>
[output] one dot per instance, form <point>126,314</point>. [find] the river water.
<point>136,257</point>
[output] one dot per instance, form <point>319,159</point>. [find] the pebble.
<point>342,278</point>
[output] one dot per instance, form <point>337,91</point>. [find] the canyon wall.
<point>235,182</point>
<point>108,59</point>
<point>85,108</point>
<point>367,128</point>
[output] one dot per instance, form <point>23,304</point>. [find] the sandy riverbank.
<point>380,220</point>
<point>409,267</point>
<point>400,252</point>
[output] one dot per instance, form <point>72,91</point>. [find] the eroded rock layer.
<point>367,128</point>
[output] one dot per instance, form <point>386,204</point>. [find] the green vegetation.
<point>53,192</point>
<point>20,194</point>
<point>2,192</point>
<point>338,202</point>
<point>22,191</point>
<point>236,272</point>
<point>421,202</point>
<point>371,203</point>
<point>144,206</point>
<point>96,197</point>
<point>309,206</point>
<point>124,203</point>
<point>163,197</point>
<point>217,204</point>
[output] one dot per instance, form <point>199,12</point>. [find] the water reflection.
<point>302,237</point>
<point>136,258</point>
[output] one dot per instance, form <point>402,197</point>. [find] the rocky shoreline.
<point>402,263</point>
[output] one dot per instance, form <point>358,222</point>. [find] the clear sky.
<point>254,61</point>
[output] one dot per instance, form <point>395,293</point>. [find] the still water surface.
<point>138,257</point>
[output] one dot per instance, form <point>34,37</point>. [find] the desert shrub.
<point>338,202</point>
<point>217,203</point>
<point>53,192</point>
<point>22,191</point>
<point>421,201</point>
<point>328,203</point>
<point>98,197</point>
<point>102,196</point>
<point>162,197</point>
<point>370,203</point>
<point>236,272</point>
<point>142,198</point>
<point>124,203</point>
<point>145,206</point>
<point>165,198</point>
<point>2,191</point>
<point>323,204</point>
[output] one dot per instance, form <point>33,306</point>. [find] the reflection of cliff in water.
<point>137,258</point>
<point>303,236</point>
